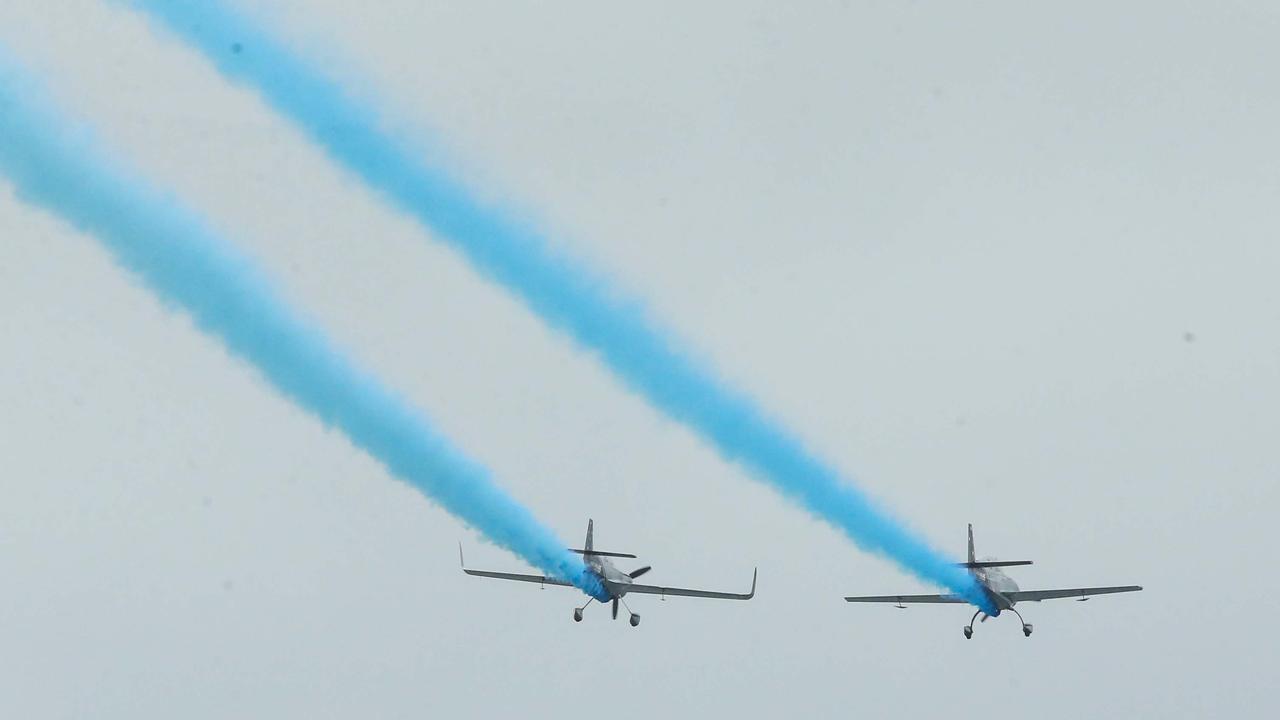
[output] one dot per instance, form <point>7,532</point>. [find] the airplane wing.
<point>540,579</point>
<point>903,599</point>
<point>655,590</point>
<point>1078,593</point>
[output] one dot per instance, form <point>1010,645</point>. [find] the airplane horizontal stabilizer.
<point>992,563</point>
<point>602,553</point>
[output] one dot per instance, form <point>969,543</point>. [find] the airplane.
<point>999,588</point>
<point>616,583</point>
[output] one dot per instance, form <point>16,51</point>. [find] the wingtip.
<point>461,563</point>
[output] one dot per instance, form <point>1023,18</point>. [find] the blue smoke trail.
<point>565,294</point>
<point>54,165</point>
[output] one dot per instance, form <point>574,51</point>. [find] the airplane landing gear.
<point>577,612</point>
<point>635,619</point>
<point>1026,626</point>
<point>968,629</point>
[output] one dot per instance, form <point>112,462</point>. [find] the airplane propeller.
<point>637,573</point>
<point>615,608</point>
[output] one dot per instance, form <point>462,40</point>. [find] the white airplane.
<point>615,582</point>
<point>999,588</point>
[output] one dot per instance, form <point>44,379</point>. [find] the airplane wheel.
<point>968,632</point>
<point>577,616</point>
<point>635,620</point>
<point>1026,630</point>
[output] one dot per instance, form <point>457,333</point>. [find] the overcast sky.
<point>1005,266</point>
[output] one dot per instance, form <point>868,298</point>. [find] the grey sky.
<point>959,249</point>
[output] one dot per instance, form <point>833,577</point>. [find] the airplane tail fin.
<point>972,558</point>
<point>589,548</point>
<point>974,562</point>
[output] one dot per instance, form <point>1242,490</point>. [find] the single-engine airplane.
<point>616,583</point>
<point>999,588</point>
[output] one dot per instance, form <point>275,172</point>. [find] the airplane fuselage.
<point>995,583</point>
<point>613,579</point>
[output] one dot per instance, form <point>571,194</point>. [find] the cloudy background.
<point>1005,266</point>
